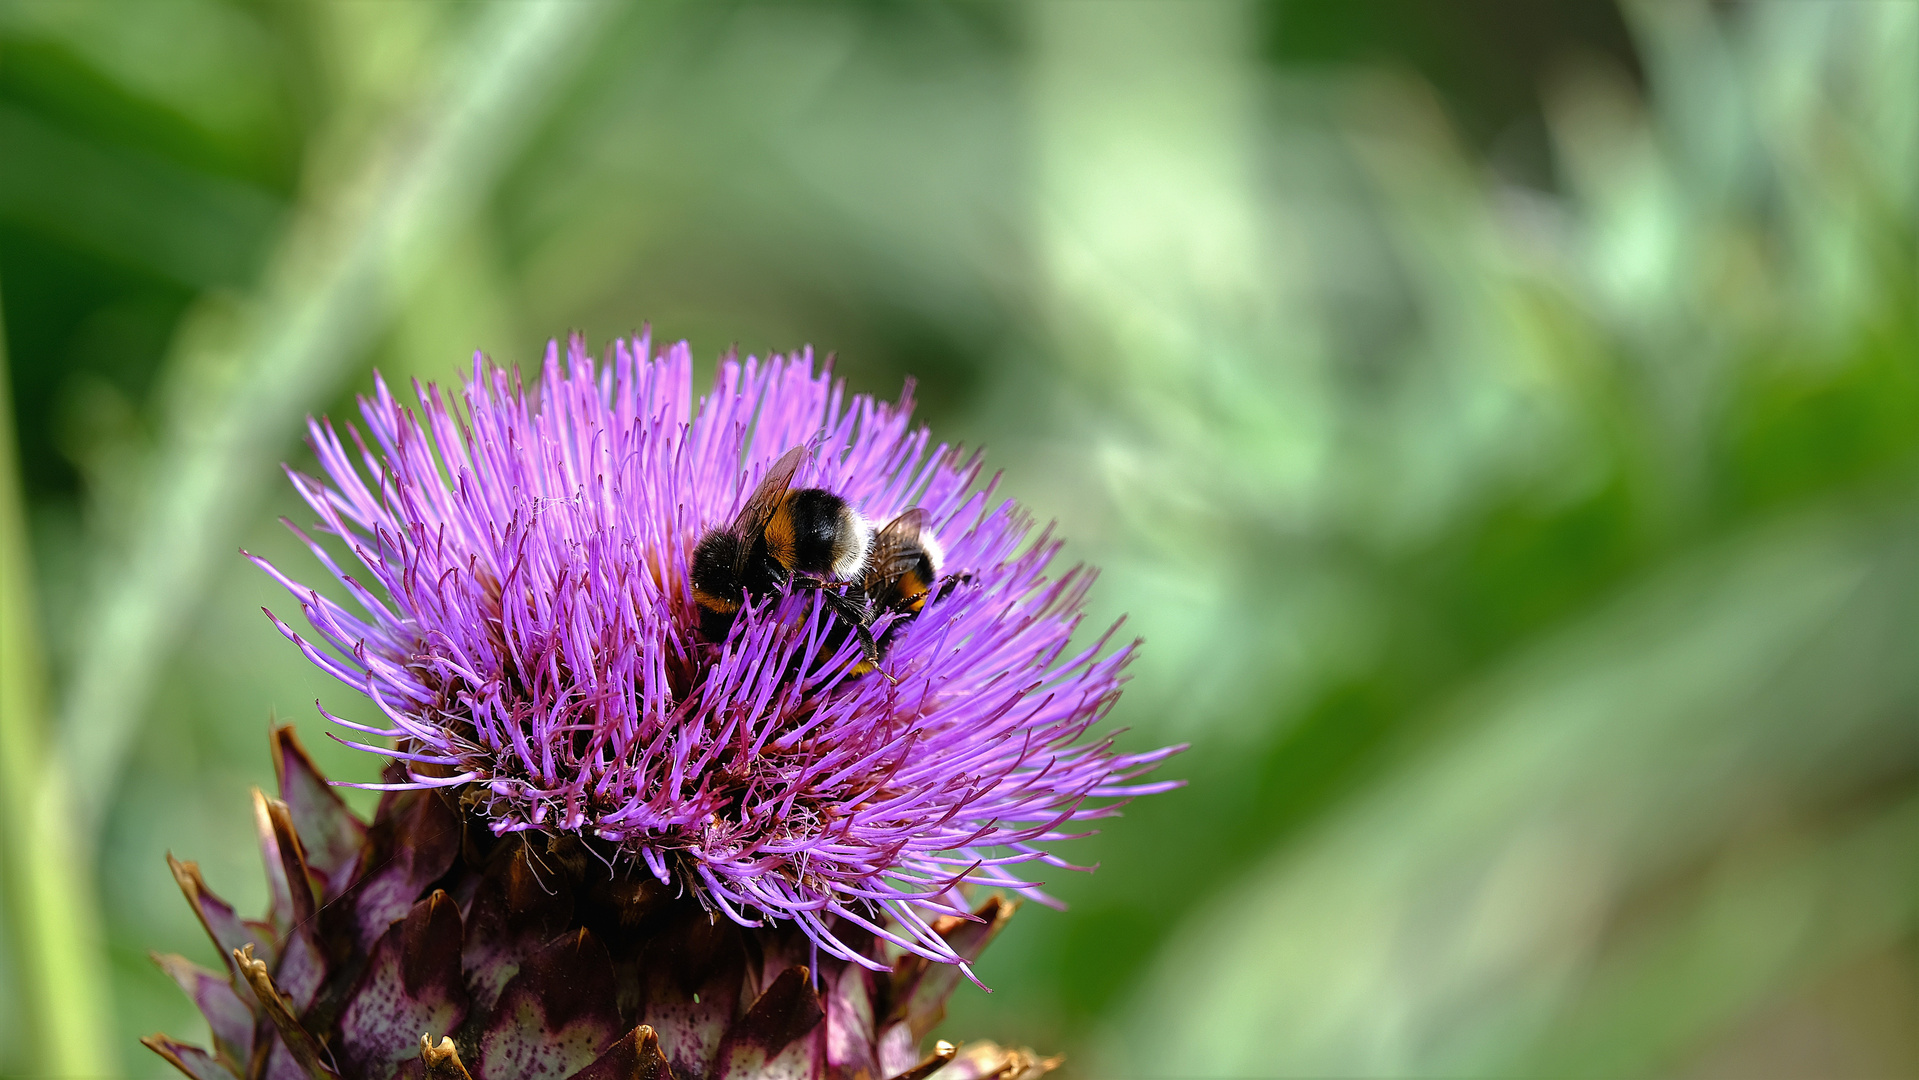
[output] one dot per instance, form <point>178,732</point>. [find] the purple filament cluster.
<point>527,630</point>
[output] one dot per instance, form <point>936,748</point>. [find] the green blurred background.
<point>1501,419</point>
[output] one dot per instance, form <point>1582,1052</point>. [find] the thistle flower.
<point>533,642</point>
<point>562,727</point>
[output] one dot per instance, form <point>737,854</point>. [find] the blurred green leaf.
<point>52,919</point>
<point>1443,922</point>
<point>141,210</point>
<point>245,377</point>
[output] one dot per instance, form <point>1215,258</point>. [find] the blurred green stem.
<point>235,395</point>
<point>55,927</point>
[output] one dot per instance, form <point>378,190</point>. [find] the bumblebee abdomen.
<point>915,584</point>
<point>815,532</point>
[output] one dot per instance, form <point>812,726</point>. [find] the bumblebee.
<point>902,573</point>
<point>783,537</point>
<point>902,566</point>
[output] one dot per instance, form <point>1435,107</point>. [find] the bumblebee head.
<point>716,588</point>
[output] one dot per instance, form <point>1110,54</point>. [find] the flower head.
<point>531,637</point>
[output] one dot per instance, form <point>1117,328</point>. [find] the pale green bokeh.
<point>1530,561</point>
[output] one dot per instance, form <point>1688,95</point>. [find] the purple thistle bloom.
<point>531,638</point>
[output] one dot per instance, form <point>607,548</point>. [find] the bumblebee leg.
<point>860,618</point>
<point>869,648</point>
<point>873,650</point>
<point>855,614</point>
<point>948,584</point>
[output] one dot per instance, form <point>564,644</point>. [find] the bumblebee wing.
<point>906,528</point>
<point>892,544</point>
<point>765,499</point>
